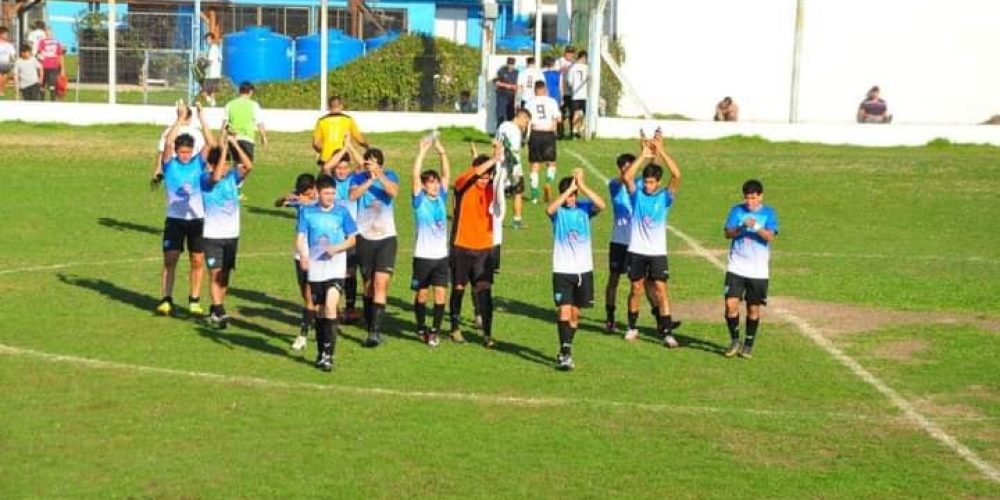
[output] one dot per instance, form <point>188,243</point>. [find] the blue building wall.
<point>62,17</point>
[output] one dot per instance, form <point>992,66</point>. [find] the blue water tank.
<point>341,49</point>
<point>255,55</point>
<point>374,43</point>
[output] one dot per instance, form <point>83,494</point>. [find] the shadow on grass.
<point>265,299</point>
<point>148,303</point>
<point>124,225</point>
<point>273,212</point>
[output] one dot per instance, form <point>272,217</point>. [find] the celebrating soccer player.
<point>430,253</point>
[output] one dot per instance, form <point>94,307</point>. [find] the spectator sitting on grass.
<point>873,109</point>
<point>727,110</point>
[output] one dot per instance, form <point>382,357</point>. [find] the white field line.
<point>491,399</point>
<point>861,372</point>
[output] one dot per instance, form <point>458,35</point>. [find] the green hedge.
<point>411,73</point>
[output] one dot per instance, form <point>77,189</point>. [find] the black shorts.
<point>376,256</point>
<point>516,186</point>
<point>579,105</point>
<point>177,231</point>
<point>495,255</point>
<point>618,258</point>
<point>221,253</point>
<point>247,148</point>
<point>573,289</point>
<point>652,267</point>
<point>49,77</point>
<point>429,272</point>
<point>542,147</point>
<point>320,289</point>
<point>473,266</point>
<point>300,276</point>
<point>352,261</point>
<point>753,290</point>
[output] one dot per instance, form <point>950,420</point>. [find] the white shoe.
<point>300,343</point>
<point>631,334</point>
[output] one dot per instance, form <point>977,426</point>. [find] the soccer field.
<point>875,373</point>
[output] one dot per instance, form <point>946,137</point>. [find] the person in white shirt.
<point>563,64</point>
<point>511,136</point>
<point>8,53</point>
<point>545,118</point>
<point>526,82</point>
<point>578,84</point>
<point>36,35</point>
<point>213,69</point>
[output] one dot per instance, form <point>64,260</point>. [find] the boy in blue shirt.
<point>325,232</point>
<point>750,226</point>
<point>303,196</point>
<point>572,258</point>
<point>430,252</point>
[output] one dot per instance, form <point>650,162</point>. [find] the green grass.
<point>897,232</point>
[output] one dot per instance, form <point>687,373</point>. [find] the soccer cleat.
<point>195,309</point>
<point>670,342</point>
<point>456,336</point>
<point>733,349</point>
<point>325,363</point>
<point>218,321</point>
<point>433,340</point>
<point>165,308</point>
<point>747,352</point>
<point>479,322</point>
<point>488,342</point>
<point>610,326</point>
<point>564,362</point>
<point>424,336</point>
<point>372,341</point>
<point>631,334</point>
<point>518,225</point>
<point>299,343</point>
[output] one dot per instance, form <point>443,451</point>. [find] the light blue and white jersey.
<point>621,204</point>
<point>322,228</point>
<point>343,187</point>
<point>749,254</point>
<point>431,218</point>
<point>299,206</point>
<point>182,182</point>
<point>375,209</point>
<point>222,205</point>
<point>571,246</point>
<point>649,221</point>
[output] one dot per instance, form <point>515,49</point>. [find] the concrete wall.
<point>935,60</point>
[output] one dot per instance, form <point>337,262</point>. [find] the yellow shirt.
<point>331,130</point>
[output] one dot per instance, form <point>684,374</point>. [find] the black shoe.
<point>325,363</point>
<point>372,341</point>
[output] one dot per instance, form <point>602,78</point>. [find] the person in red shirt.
<point>472,242</point>
<point>50,53</point>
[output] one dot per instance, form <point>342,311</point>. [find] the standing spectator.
<point>50,52</point>
<point>751,227</point>
<point>243,115</point>
<point>578,84</point>
<point>36,35</point>
<point>28,75</point>
<point>465,103</point>
<point>506,85</point>
<point>7,56</point>
<point>727,110</point>
<point>332,129</point>
<point>563,64</point>
<point>526,82</point>
<point>873,109</point>
<point>213,71</point>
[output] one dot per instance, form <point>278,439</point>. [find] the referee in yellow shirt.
<point>328,136</point>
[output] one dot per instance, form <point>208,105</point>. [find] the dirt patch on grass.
<point>833,319</point>
<point>902,351</point>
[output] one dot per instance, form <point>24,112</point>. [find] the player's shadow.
<point>147,303</point>
<point>273,212</point>
<point>686,340</point>
<point>546,315</point>
<point>124,225</point>
<point>265,299</point>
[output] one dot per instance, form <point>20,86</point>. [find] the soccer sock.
<point>221,309</point>
<point>734,328</point>
<point>455,305</point>
<point>377,311</point>
<point>438,317</point>
<point>420,311</point>
<point>655,312</point>
<point>321,332</point>
<point>666,325</point>
<point>485,300</point>
<point>332,329</point>
<point>193,300</point>
<point>351,284</point>
<point>565,338</point>
<point>752,325</point>
<point>167,298</point>
<point>633,317</point>
<point>476,310</point>
<point>550,174</point>
<point>609,310</point>
<point>533,180</point>
<point>368,311</point>
<point>305,322</point>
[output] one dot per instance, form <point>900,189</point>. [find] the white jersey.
<point>526,83</point>
<point>577,79</point>
<point>544,113</point>
<point>7,55</point>
<point>508,131</point>
<point>214,69</point>
<point>499,207</point>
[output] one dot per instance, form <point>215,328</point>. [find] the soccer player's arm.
<point>499,201</point>
<point>357,136</point>
<point>168,143</point>
<point>628,175</point>
<point>390,183</point>
<point>769,229</point>
<point>595,199</point>
<point>734,226</point>
<point>494,159</point>
<point>206,132</point>
<point>317,137</point>
<point>557,113</point>
<point>563,196</point>
<point>675,171</point>
<point>445,163</point>
<point>257,112</point>
<point>335,158</point>
<point>245,164</point>
<point>418,164</point>
<point>302,246</point>
<point>349,229</point>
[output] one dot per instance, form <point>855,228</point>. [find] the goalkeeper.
<point>511,134</point>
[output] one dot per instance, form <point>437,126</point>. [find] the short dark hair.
<point>652,170</point>
<point>540,84</point>
<point>25,48</point>
<point>39,25</point>
<point>246,88</point>
<point>752,186</point>
<point>548,61</point>
<point>582,53</point>
<point>184,141</point>
<point>511,60</point>
<point>429,175</point>
<point>333,99</point>
<point>323,183</point>
<point>3,29</point>
<point>214,155</point>
<point>479,160</point>
<point>522,111</point>
<point>570,49</point>
<point>624,160</point>
<point>530,60</point>
<point>304,182</point>
<point>564,184</point>
<point>375,154</point>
